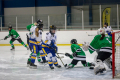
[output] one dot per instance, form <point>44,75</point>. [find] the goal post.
<point>116,54</point>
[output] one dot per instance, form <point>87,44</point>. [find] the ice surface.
<point>13,67</point>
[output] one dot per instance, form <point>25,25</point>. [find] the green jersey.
<point>76,49</point>
<point>29,26</point>
<point>104,45</point>
<point>13,34</point>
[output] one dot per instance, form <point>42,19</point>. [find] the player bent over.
<point>78,55</point>
<point>104,43</point>
<point>50,47</point>
<point>15,36</point>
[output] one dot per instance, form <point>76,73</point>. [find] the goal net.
<point>116,54</point>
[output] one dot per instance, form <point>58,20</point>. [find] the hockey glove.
<point>5,37</point>
<point>74,54</point>
<point>67,54</point>
<point>12,36</point>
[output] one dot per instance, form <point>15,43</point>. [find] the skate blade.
<point>28,65</point>
<point>32,67</point>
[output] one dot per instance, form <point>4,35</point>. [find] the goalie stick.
<point>89,34</point>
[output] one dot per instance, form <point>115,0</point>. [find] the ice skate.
<point>58,66</point>
<point>28,63</point>
<point>33,66</point>
<point>13,48</point>
<point>69,66</point>
<point>51,67</point>
<point>92,65</point>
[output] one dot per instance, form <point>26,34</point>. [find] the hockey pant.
<point>80,58</point>
<point>37,51</point>
<point>103,56</point>
<point>19,40</point>
<point>51,55</point>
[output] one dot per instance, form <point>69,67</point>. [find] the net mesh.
<point>117,54</point>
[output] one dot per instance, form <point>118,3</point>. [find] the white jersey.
<point>33,36</point>
<point>32,31</point>
<point>39,38</point>
<point>108,29</point>
<point>50,37</point>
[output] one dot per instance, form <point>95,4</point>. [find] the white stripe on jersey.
<point>78,58</point>
<point>106,49</point>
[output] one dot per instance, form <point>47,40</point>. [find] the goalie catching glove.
<point>85,46</point>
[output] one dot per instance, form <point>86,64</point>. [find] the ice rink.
<point>13,67</point>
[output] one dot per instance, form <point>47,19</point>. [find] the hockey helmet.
<point>73,41</point>
<point>101,31</point>
<point>39,20</point>
<point>40,25</point>
<point>52,27</point>
<point>106,23</point>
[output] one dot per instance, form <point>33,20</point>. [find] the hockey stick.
<point>89,34</point>
<point>1,39</point>
<point>61,53</point>
<point>60,58</point>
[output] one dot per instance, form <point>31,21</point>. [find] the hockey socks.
<point>11,42</point>
<point>38,57</point>
<point>24,44</point>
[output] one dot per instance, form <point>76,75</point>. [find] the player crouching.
<point>78,55</point>
<point>50,47</point>
<point>104,43</point>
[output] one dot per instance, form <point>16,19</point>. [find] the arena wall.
<point>63,37</point>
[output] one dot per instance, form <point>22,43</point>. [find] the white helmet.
<point>101,31</point>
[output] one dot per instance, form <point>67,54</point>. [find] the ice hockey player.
<point>15,36</point>
<point>77,55</point>
<point>35,43</point>
<point>28,28</point>
<point>50,47</point>
<point>108,29</point>
<point>104,43</point>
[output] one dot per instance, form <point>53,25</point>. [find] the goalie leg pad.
<point>99,67</point>
<point>108,62</point>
